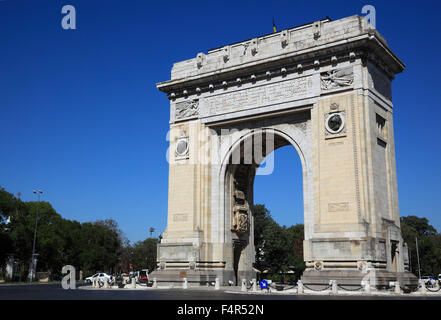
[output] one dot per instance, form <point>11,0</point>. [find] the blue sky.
<point>81,117</point>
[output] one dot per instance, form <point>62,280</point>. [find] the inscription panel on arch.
<point>257,96</point>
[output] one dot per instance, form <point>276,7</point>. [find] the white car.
<point>101,277</point>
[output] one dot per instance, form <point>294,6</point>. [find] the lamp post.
<point>418,258</point>
<point>39,192</point>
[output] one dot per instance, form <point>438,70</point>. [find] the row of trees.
<point>102,246</point>
<point>90,246</point>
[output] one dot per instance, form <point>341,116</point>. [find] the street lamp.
<point>39,192</point>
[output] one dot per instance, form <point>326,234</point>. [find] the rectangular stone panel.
<point>256,96</point>
<point>378,81</point>
<point>337,207</point>
<point>332,250</point>
<point>176,252</point>
<point>180,217</point>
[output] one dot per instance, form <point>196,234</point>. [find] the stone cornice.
<point>368,45</point>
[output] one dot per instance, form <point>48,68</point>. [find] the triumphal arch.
<point>325,89</point>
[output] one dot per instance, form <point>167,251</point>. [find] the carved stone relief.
<point>337,207</point>
<point>240,212</point>
<point>335,123</point>
<point>302,126</point>
<point>257,96</point>
<point>337,78</point>
<point>187,109</point>
<point>182,146</point>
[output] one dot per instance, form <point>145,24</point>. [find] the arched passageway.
<point>250,151</point>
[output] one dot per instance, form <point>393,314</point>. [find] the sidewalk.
<point>272,291</point>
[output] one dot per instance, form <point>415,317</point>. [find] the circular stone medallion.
<point>182,147</point>
<point>335,122</point>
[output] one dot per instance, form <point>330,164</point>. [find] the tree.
<point>277,247</point>
<point>429,248</point>
<point>8,205</point>
<point>113,226</point>
<point>295,255</point>
<point>418,225</point>
<point>100,247</point>
<point>262,218</point>
<point>144,254</point>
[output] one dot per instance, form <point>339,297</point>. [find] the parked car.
<point>429,281</point>
<point>143,277</point>
<point>439,277</point>
<point>101,277</point>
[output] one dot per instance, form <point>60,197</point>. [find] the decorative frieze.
<point>187,109</point>
<point>257,96</point>
<point>302,126</point>
<point>336,79</point>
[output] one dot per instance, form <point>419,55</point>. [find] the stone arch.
<point>349,177</point>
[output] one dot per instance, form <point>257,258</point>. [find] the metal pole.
<point>35,236</point>
<point>418,257</point>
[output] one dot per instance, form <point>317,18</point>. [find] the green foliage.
<point>429,245</point>
<point>278,248</point>
<point>8,205</point>
<point>89,246</point>
<point>101,247</point>
<point>144,254</point>
<point>420,226</point>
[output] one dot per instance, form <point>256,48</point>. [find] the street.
<point>56,292</point>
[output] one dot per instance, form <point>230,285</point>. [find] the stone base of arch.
<point>203,277</point>
<point>353,278</point>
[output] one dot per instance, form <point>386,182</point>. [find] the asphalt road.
<point>56,292</point>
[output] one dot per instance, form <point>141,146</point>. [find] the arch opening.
<point>278,209</point>
<point>244,161</point>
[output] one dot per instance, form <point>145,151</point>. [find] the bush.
<point>20,276</point>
